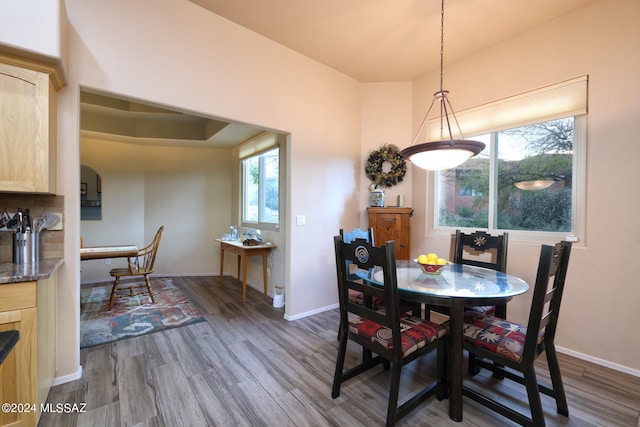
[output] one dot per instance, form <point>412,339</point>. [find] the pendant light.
<point>445,153</point>
<point>534,185</point>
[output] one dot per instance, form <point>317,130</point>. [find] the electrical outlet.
<point>107,261</point>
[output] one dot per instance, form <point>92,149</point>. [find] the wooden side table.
<point>243,252</point>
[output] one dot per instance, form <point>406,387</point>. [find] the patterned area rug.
<point>135,316</point>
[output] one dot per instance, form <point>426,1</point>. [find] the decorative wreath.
<point>374,167</point>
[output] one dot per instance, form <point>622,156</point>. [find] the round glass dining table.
<point>456,286</point>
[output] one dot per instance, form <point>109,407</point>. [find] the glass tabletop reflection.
<point>455,280</point>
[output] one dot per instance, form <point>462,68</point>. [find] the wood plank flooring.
<point>247,366</point>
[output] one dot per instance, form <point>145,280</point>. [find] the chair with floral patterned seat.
<point>357,297</point>
<point>470,249</point>
<point>367,235</point>
<point>480,249</point>
<point>513,348</point>
<point>394,336</point>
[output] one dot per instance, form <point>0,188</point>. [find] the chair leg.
<point>148,282</point>
<point>556,380</point>
<point>342,351</point>
<point>113,292</point>
<point>535,404</point>
<point>473,367</point>
<point>394,391</point>
<point>442,366</point>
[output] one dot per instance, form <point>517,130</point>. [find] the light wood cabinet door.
<point>27,131</point>
<point>28,371</point>
<point>18,371</point>
<point>392,224</point>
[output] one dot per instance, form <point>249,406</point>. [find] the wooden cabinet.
<point>392,224</point>
<point>27,372</point>
<point>27,130</point>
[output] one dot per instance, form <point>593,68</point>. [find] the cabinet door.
<point>392,226</point>
<point>18,371</point>
<point>27,124</point>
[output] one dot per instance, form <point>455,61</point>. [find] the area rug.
<point>135,316</point>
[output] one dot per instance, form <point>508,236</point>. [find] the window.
<point>523,181</point>
<point>260,189</point>
<point>530,178</point>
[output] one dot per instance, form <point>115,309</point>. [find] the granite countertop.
<point>12,273</point>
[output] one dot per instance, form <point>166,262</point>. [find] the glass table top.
<point>455,280</point>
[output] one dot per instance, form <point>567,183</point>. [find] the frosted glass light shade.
<point>440,155</point>
<point>538,184</point>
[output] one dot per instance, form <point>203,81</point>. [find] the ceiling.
<point>370,40</point>
<point>389,40</point>
<point>107,117</point>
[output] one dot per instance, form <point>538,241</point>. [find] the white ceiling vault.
<point>369,40</point>
<point>389,40</point>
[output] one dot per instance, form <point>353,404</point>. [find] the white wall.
<point>600,305</point>
<point>386,119</point>
<point>188,190</point>
<point>184,57</point>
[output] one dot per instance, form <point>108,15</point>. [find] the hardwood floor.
<point>247,366</point>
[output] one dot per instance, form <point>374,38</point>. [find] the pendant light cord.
<point>442,47</point>
<point>441,96</point>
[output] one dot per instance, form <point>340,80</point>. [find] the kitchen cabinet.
<point>27,130</point>
<point>392,224</point>
<point>27,372</point>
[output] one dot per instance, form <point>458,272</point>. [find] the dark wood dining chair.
<point>394,336</point>
<point>348,237</point>
<point>357,297</point>
<point>513,347</point>
<point>142,265</point>
<point>480,249</point>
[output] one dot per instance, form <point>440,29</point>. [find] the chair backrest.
<point>480,242</point>
<point>357,233</point>
<point>367,257</point>
<point>147,255</point>
<point>547,296</point>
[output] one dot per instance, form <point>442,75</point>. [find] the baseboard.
<point>311,313</point>
<point>597,361</point>
<point>67,378</point>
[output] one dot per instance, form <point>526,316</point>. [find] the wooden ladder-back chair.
<point>514,347</point>
<point>395,337</point>
<point>142,265</point>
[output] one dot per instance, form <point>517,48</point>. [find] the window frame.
<point>261,189</point>
<point>578,197</point>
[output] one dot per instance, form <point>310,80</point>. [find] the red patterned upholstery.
<point>485,310</point>
<point>416,333</point>
<point>496,335</point>
<point>356,297</point>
